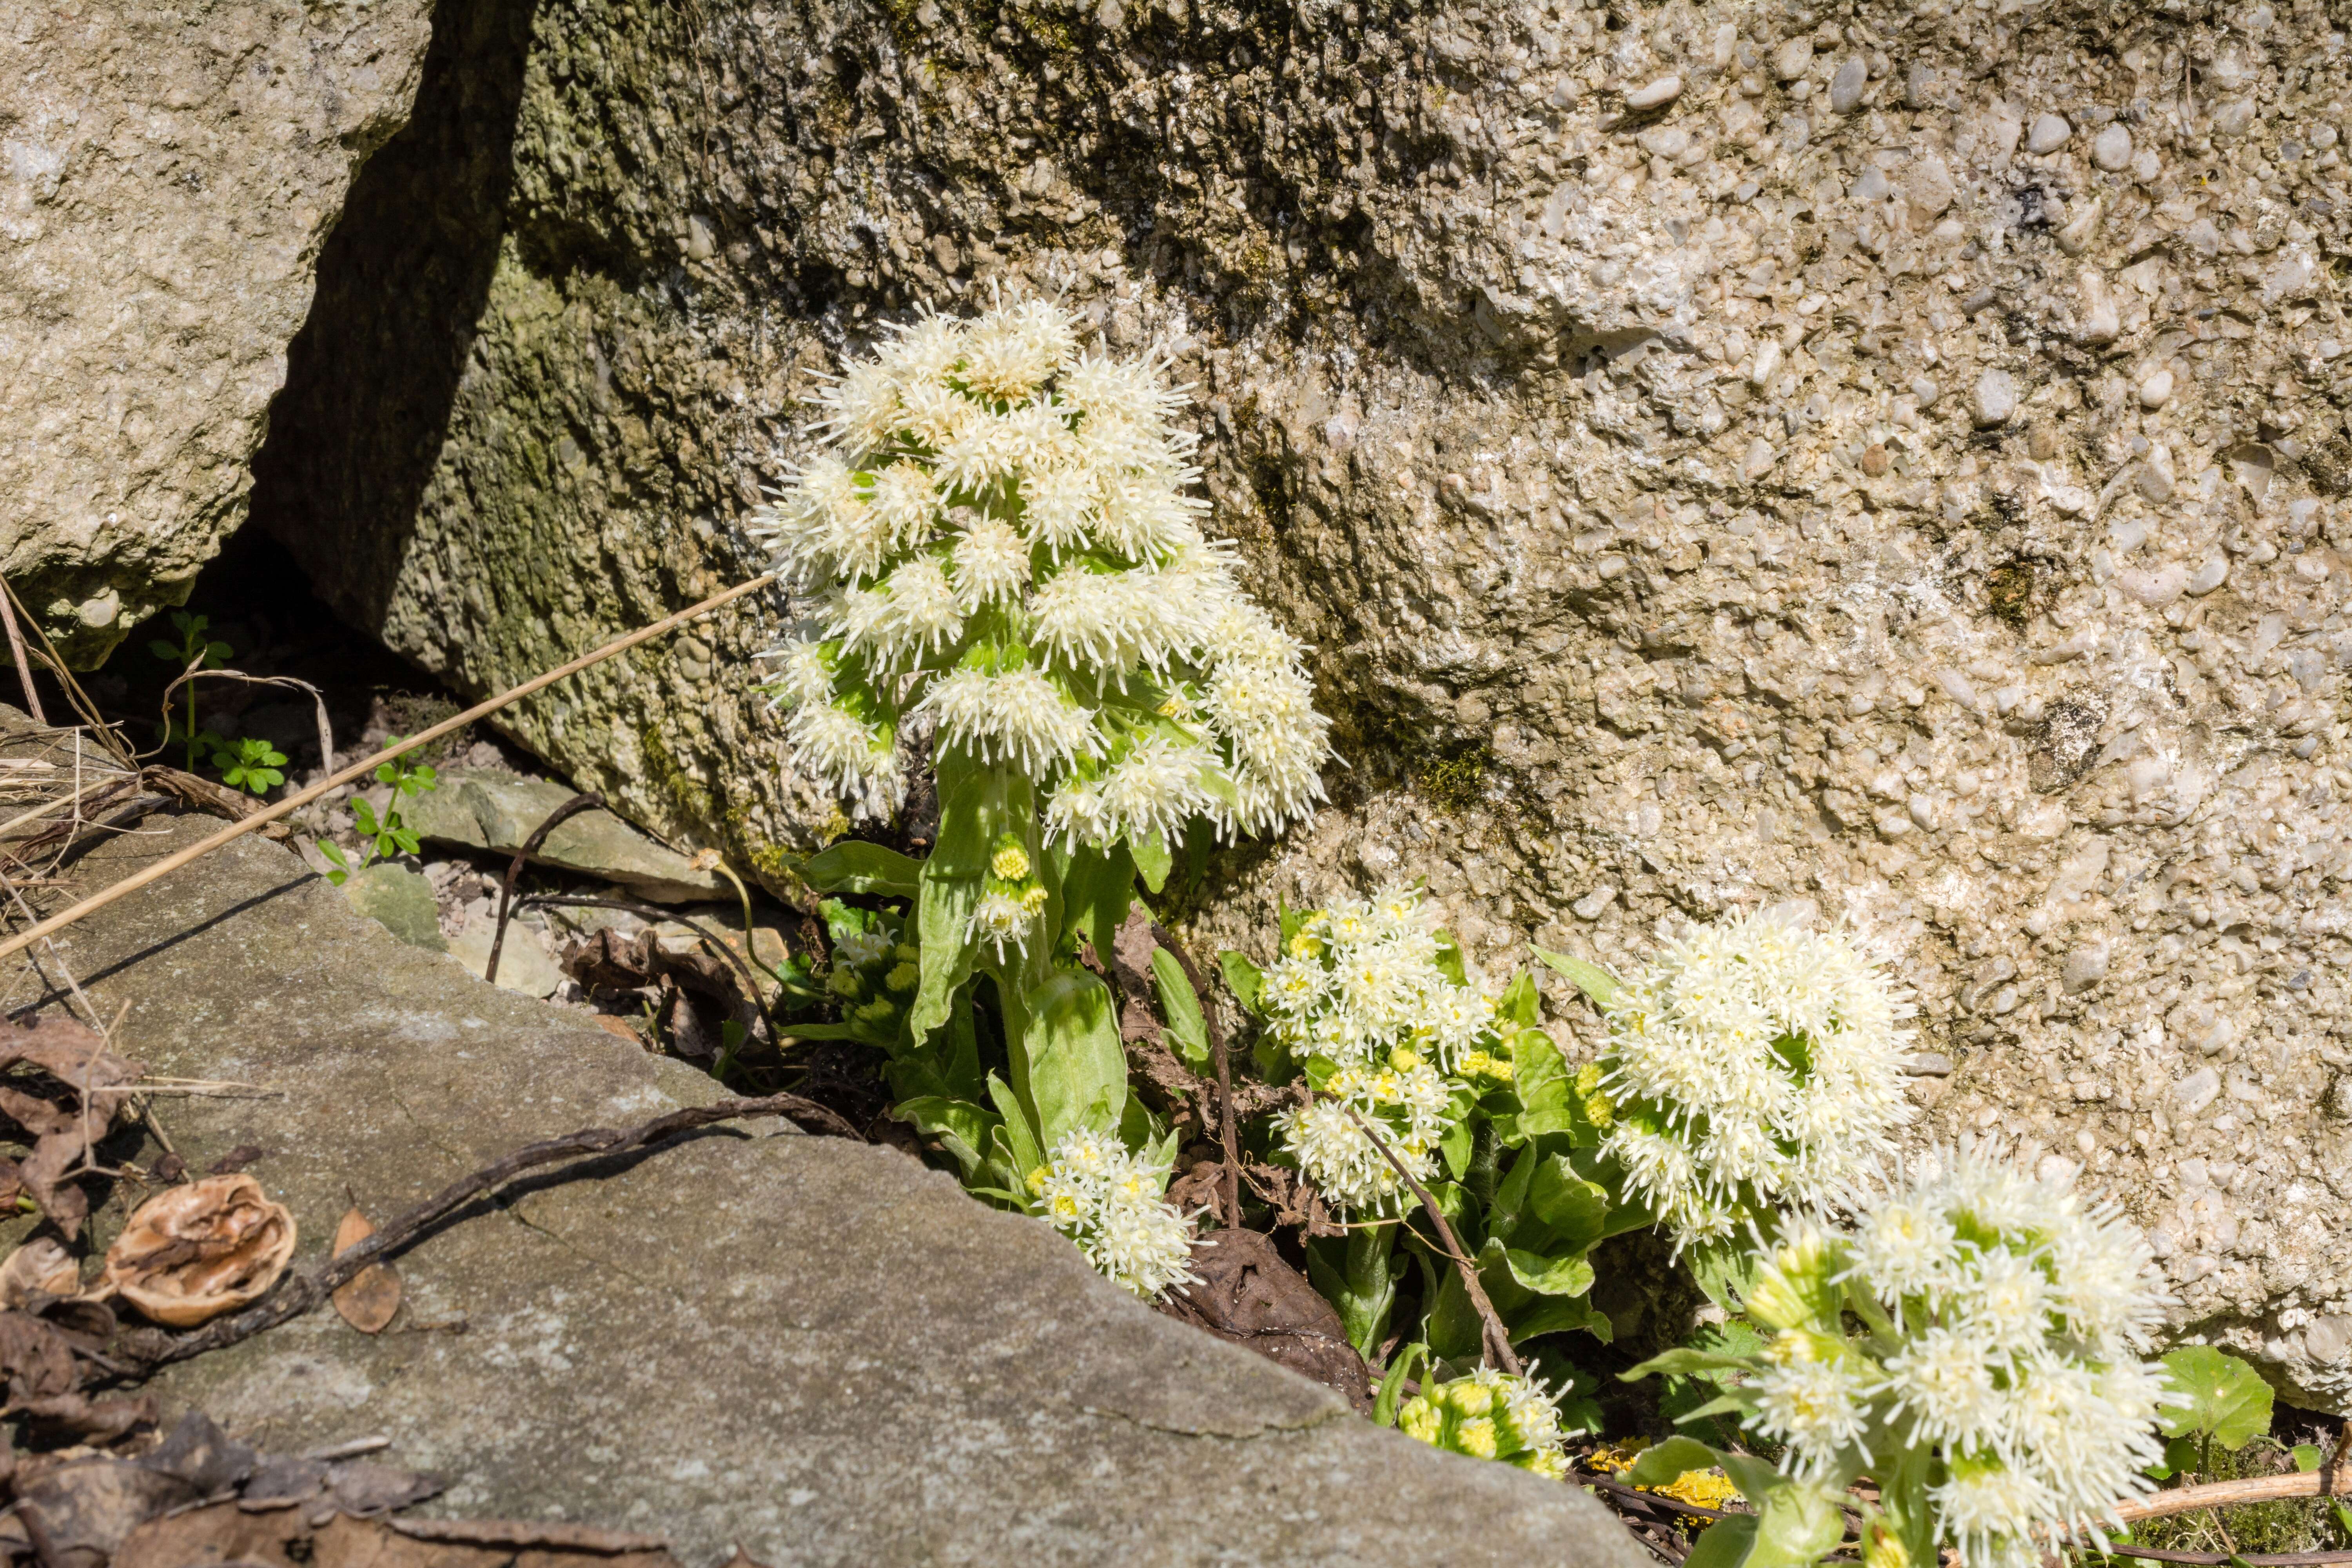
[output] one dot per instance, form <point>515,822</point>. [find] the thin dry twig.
<point>1498,1338</point>
<point>195,670</point>
<point>531,846</point>
<point>293,803</point>
<point>2215,1559</point>
<point>301,1293</point>
<point>23,664</point>
<point>2331,1479</point>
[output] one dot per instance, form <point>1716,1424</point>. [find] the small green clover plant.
<point>194,651</point>
<point>382,838</point>
<point>253,766</point>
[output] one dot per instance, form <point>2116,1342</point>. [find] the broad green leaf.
<point>1684,1360</point>
<point>1549,1276</point>
<point>1520,1003</point>
<point>2227,1400</point>
<point>1660,1464</point>
<point>850,866</point>
<point>1384,1408</point>
<point>1358,1274</point>
<point>2307,1456</point>
<point>1243,978</point>
<point>1078,1068</point>
<point>1575,1210</point>
<point>1455,1147</point>
<point>1548,1102</point>
<point>824,1032</point>
<point>1450,960</point>
<point>971,802</point>
<point>1724,1544</point>
<point>1019,1141</point>
<point>1097,891</point>
<point>1597,983</point>
<point>962,1127</point>
<point>1797,1522</point>
<point>1152,860</point>
<point>1453,1327</point>
<point>1559,1315</point>
<point>1188,1031</point>
<point>1726,1271</point>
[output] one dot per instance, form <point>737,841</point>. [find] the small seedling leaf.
<point>2227,1400</point>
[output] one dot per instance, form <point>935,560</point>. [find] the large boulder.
<point>1885,461</point>
<point>166,175</point>
<point>813,1349</point>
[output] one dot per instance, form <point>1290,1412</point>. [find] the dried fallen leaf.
<point>369,1298</point>
<point>1247,1294</point>
<point>193,1252</point>
<point>40,1265</point>
<point>62,1130</point>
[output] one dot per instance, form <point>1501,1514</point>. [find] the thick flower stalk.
<point>1490,1415</point>
<point>1756,1067</point>
<point>1112,1203</point>
<point>1999,1392</point>
<point>1002,543</point>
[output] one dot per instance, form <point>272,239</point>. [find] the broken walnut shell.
<point>191,1253</point>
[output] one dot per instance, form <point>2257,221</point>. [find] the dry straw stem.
<point>293,803</point>
<point>2329,1480</point>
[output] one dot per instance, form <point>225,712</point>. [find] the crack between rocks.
<point>1265,1429</point>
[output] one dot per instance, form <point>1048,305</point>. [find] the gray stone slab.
<point>499,812</point>
<point>820,1349</point>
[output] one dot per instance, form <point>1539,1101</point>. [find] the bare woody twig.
<point>1498,1338</point>
<point>303,1293</point>
<point>292,802</point>
<point>531,846</point>
<point>24,665</point>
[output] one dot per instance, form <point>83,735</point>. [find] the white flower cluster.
<point>1754,1062</point>
<point>2016,1318</point>
<point>1002,539</point>
<point>1405,1101</point>
<point>1360,978</point>
<point>1112,1203</point>
<point>1491,1415</point>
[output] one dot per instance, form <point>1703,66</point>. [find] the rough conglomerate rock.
<point>1883,459</point>
<point>166,175</point>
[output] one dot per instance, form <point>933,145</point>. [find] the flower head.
<point>1111,1203</point>
<point>1770,1056</point>
<point>1491,1415</point>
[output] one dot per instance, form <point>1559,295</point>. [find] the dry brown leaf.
<point>369,1298</point>
<point>193,1252</point>
<point>40,1265</point>
<point>62,1131</point>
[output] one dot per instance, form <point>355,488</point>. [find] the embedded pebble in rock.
<point>1996,398</point>
<point>1845,87</point>
<point>2050,133</point>
<point>2111,148</point>
<point>1475,369</point>
<point>2084,967</point>
<point>1664,90</point>
<point>2210,576</point>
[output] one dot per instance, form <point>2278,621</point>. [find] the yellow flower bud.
<point>1037,1179</point>
<point>1010,864</point>
<point>1420,1419</point>
<point>902,978</point>
<point>1469,1398</point>
<point>1476,1437</point>
<point>1033,900</point>
<point>1884,1550</point>
<point>1403,1060</point>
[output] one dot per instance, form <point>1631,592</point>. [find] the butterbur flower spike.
<point>1112,1203</point>
<point>1001,533</point>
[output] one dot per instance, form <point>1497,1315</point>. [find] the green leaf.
<point>165,651</point>
<point>1188,1030</point>
<point>850,866</point>
<point>1152,860</point>
<point>1019,1142</point>
<point>1077,1068</point>
<point>1539,1082</point>
<point>1097,891</point>
<point>1450,960</point>
<point>1726,1271</point>
<point>1561,1315</point>
<point>1358,1274</point>
<point>1661,1464</point>
<point>1725,1543</point>
<point>1455,1147</point>
<point>1520,1003</point>
<point>1575,1210</point>
<point>2227,1400</point>
<point>1549,1276</point>
<point>960,1126</point>
<point>1243,978</point>
<point>971,802</point>
<point>1597,983</point>
<point>2307,1456</point>
<point>1384,1408</point>
<point>1684,1360</point>
<point>1798,1523</point>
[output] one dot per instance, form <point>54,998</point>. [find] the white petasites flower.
<point>1406,1107</point>
<point>804,673</point>
<point>989,497</point>
<point>1002,919</point>
<point>852,757</point>
<point>1112,1203</point>
<point>1019,716</point>
<point>1772,1054</point>
<point>2041,1414</point>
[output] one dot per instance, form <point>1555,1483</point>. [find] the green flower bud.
<point>1469,1398</point>
<point>902,978</point>
<point>1420,1419</point>
<point>1476,1437</point>
<point>844,985</point>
